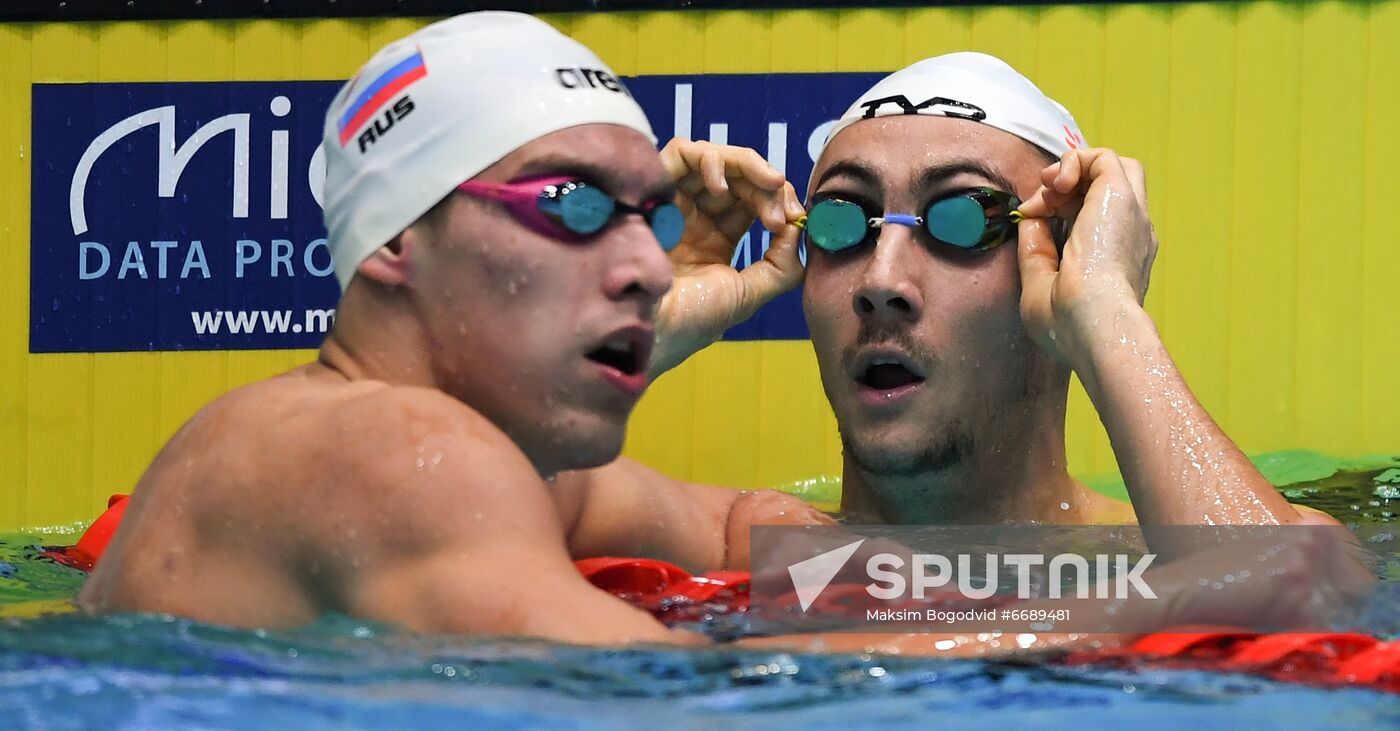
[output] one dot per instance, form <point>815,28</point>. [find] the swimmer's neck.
<point>377,336</point>
<point>1028,483</point>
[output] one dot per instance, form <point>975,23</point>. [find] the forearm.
<point>1180,468</point>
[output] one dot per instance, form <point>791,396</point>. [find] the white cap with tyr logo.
<point>971,86</point>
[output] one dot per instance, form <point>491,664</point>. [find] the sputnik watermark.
<point>1046,578</point>
<point>932,571</point>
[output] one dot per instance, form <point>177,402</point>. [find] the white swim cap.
<point>432,110</point>
<point>970,86</point>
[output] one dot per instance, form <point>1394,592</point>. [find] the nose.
<point>643,271</point>
<point>885,290</point>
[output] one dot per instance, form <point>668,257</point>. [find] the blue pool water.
<point>150,672</point>
<point>147,672</point>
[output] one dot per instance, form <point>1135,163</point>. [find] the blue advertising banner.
<point>187,216</point>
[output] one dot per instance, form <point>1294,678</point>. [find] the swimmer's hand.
<point>1107,260</point>
<point>1271,579</point>
<point>722,190</point>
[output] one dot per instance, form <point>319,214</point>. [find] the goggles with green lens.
<point>974,219</point>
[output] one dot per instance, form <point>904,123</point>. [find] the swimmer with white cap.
<point>500,220</point>
<point>968,251</point>
<point>500,223</point>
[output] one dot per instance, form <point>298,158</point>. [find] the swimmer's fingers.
<point>717,176</point>
<point>718,166</point>
<point>774,208</point>
<point>1137,178</point>
<point>778,271</point>
<point>712,172</point>
<point>695,167</point>
<point>1039,262</point>
<point>1066,184</point>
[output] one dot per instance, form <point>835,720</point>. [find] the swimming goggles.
<point>570,209</point>
<point>974,219</point>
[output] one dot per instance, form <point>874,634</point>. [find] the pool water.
<point>65,671</point>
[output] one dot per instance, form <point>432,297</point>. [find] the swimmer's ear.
<point>389,263</point>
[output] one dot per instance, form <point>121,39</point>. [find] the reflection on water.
<point>151,672</point>
<point>1354,498</point>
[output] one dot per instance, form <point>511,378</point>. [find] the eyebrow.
<point>608,178</point>
<point>860,170</point>
<point>941,173</point>
<point>864,173</point>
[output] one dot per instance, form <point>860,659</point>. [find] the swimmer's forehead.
<point>935,174</point>
<point>922,153</point>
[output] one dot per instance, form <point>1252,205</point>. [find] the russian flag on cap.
<point>378,93</point>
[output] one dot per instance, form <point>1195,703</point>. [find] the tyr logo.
<point>937,105</point>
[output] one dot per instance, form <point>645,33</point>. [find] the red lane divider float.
<point>94,540</point>
<point>673,596</point>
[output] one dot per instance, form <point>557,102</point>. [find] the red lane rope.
<point>673,595</point>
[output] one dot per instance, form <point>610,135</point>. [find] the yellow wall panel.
<point>613,36</point>
<point>1380,305</point>
<point>1133,116</point>
<point>15,75</point>
<point>1009,33</point>
<point>736,42</point>
<point>1264,233</point>
<point>198,51</point>
<point>1198,209</point>
<point>804,40</point>
<point>59,394</point>
<point>658,45</point>
<point>1329,316</point>
<point>867,40</point>
<point>795,424</point>
<point>1266,129</point>
<point>936,31</point>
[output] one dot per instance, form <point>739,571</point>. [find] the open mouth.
<point>621,353</point>
<point>885,374</point>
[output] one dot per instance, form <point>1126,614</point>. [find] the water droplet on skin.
<point>1064,506</point>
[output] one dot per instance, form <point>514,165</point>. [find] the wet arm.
<point>633,510</point>
<point>1179,466</point>
<point>473,545</point>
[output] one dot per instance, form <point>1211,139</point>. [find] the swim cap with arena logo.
<point>437,107</point>
<point>971,86</point>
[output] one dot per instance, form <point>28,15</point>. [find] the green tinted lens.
<point>960,221</point>
<point>835,225</point>
<point>585,210</point>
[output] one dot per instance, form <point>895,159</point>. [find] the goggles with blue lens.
<point>973,219</point>
<point>573,210</point>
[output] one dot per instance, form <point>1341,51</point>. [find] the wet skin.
<point>973,430</point>
<point>948,370</point>
<point>410,474</point>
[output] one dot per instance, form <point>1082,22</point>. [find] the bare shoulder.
<point>305,461</point>
<point>416,459</point>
